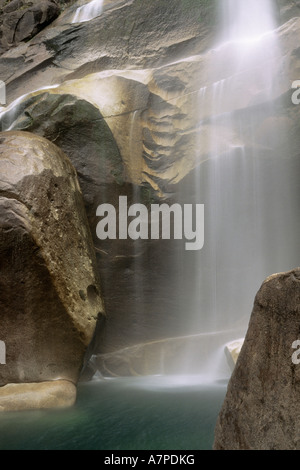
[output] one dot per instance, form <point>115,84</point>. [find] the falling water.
<point>247,21</point>
<point>88,11</point>
<point>10,115</point>
<point>250,208</point>
<point>2,93</point>
<point>250,217</point>
<point>244,183</point>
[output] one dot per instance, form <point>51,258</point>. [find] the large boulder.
<point>261,408</point>
<point>78,128</point>
<point>49,288</point>
<point>33,396</point>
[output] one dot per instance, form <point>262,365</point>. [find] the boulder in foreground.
<point>49,289</point>
<point>261,410</point>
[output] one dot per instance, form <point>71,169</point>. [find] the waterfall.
<point>250,208</point>
<point>88,11</point>
<point>247,21</point>
<point>244,183</point>
<point>10,115</point>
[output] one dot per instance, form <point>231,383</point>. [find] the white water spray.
<point>88,12</point>
<point>247,21</point>
<point>9,114</point>
<point>244,235</point>
<point>245,181</point>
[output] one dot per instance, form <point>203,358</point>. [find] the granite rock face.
<point>49,290</point>
<point>128,34</point>
<point>23,19</point>
<point>147,133</point>
<point>154,126</point>
<point>288,9</point>
<point>133,99</point>
<point>78,128</point>
<point>261,409</point>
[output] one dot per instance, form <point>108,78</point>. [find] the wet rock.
<point>79,129</point>
<point>139,133</point>
<point>232,351</point>
<point>129,34</point>
<point>49,288</point>
<point>288,9</point>
<point>135,116</point>
<point>261,408</point>
<point>23,19</point>
<point>37,396</point>
<point>144,127</point>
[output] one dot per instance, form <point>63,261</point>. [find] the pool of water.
<point>152,413</point>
